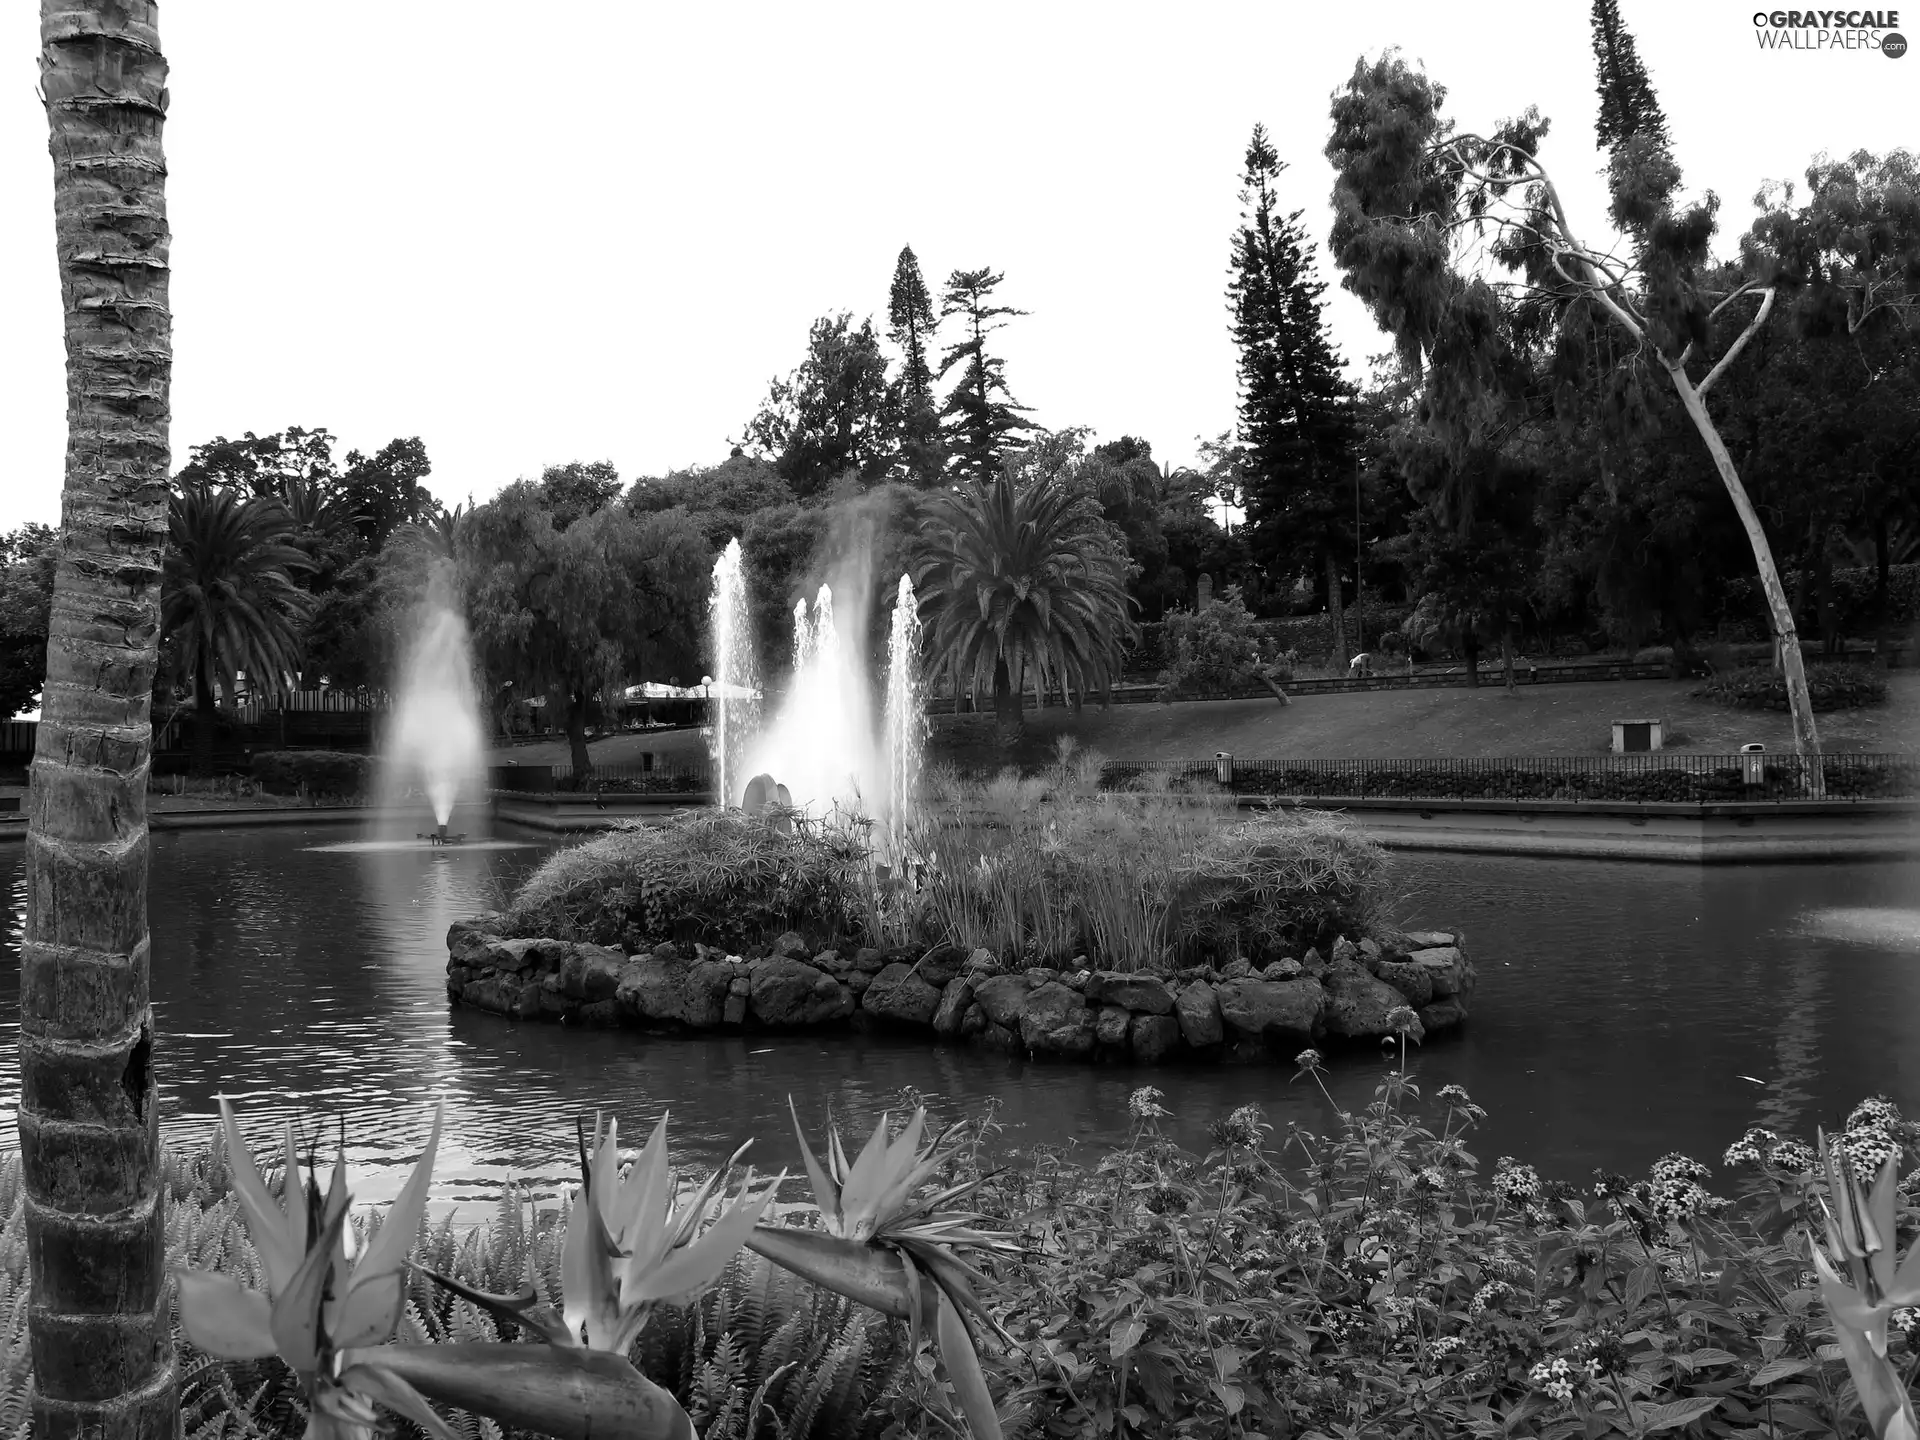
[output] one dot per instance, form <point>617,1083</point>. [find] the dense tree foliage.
<point>570,606</point>
<point>911,325</point>
<point>833,418</point>
<point>1299,465</point>
<point>26,603</point>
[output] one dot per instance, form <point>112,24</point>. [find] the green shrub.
<point>324,774</point>
<point>1376,1281</point>
<point>1831,687</point>
<point>719,876</point>
<point>1211,651</point>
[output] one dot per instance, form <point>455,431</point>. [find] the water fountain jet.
<point>433,740</point>
<point>820,745</point>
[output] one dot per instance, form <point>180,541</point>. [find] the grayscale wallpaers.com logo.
<point>1830,30</point>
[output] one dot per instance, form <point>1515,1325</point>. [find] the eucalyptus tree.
<point>1460,244</point>
<point>100,1311</point>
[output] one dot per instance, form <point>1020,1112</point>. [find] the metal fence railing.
<point>1659,776</point>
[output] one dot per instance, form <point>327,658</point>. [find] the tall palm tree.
<point>1024,577</point>
<point>100,1312</point>
<point>231,599</point>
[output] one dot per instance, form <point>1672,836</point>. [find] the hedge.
<point>1845,779</point>
<point>1830,687</point>
<point>323,774</point>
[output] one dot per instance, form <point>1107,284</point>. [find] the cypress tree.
<point>1296,417</point>
<point>911,326</point>
<point>980,418</point>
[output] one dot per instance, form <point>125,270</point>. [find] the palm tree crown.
<point>230,601</point>
<point>1024,575</point>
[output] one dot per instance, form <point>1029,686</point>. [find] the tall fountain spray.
<point>433,741</point>
<point>821,741</point>
<point>734,710</point>
<point>905,719</point>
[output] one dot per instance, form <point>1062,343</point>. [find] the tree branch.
<point>1733,350</point>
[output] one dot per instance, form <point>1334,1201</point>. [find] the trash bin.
<point>1223,766</point>
<point>1753,764</point>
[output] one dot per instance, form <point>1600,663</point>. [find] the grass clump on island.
<point>1378,1279</point>
<point>1047,869</point>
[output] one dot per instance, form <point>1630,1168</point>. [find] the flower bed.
<point>1411,987</point>
<point>1375,1280</point>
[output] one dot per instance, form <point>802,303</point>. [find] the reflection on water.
<point>1623,1011</point>
<point>1870,925</point>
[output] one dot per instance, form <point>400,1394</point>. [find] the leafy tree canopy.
<point>27,558</point>
<point>834,416</point>
<point>570,610</point>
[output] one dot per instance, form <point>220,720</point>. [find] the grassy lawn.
<point>1387,724</point>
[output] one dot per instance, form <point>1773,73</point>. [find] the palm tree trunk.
<point>203,717</point>
<point>1006,703</point>
<point>99,1317</point>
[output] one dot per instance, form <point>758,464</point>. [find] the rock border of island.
<point>1235,1014</point>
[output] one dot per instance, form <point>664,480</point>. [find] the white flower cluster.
<point>1876,1112</point>
<point>1906,1320</point>
<point>1760,1146</point>
<point>1430,1178</point>
<point>1517,1184</point>
<point>1395,1307</point>
<point>1446,1345</point>
<point>1867,1151</point>
<point>1144,1103</point>
<point>1677,1192</point>
<point>1486,1295</point>
<point>1752,1147</point>
<point>1560,1377</point>
<point>1303,1235</point>
<point>1793,1156</point>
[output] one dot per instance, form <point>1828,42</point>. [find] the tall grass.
<point>1054,868</point>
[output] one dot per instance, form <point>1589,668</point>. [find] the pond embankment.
<point>1419,984</point>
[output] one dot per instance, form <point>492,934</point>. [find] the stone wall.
<point>1235,1014</point>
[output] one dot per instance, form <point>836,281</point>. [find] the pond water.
<point>1623,1011</point>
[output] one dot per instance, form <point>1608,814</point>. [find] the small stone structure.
<point>1235,1014</point>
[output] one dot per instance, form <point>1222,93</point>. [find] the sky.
<point>530,239</point>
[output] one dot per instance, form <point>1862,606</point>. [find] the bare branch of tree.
<point>1733,350</point>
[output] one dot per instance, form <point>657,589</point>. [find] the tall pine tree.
<point>1296,410</point>
<point>911,326</point>
<point>1628,106</point>
<point>1641,173</point>
<point>980,419</point>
